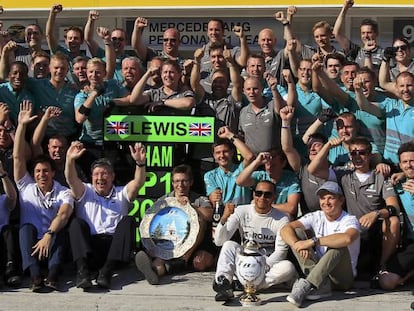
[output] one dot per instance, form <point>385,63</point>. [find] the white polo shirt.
<point>103,213</point>
<point>38,209</point>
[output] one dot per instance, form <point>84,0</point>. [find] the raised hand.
<point>198,54</point>
<point>52,112</point>
<point>25,114</point>
<point>75,150</point>
<point>93,15</point>
<point>141,22</point>
<point>286,113</point>
<point>238,31</point>
<point>224,132</point>
<point>103,32</point>
<point>138,153</point>
<point>56,8</point>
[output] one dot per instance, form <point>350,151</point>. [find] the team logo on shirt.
<point>200,129</point>
<point>115,127</point>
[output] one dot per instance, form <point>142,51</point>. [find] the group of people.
<point>324,134</point>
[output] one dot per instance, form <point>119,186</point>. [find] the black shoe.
<point>37,284</point>
<point>144,265</point>
<point>52,284</point>
<point>83,279</point>
<point>12,277</point>
<point>104,279</point>
<point>224,289</point>
<point>237,286</point>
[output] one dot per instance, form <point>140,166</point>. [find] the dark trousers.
<point>402,261</point>
<point>101,248</point>
<point>9,246</point>
<point>28,238</point>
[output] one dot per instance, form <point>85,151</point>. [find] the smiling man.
<point>102,234</point>
<point>370,197</point>
<point>258,222</point>
<point>328,259</point>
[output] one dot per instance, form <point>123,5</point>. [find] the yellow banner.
<point>79,4</point>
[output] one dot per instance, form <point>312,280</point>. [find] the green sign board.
<point>176,129</point>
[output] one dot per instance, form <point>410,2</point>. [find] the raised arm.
<point>195,74</point>
<point>89,27</point>
<point>137,97</point>
<point>316,166</point>
<point>245,178</point>
<point>40,131</point>
<point>136,38</point>
<point>83,111</point>
<point>139,155</point>
<point>338,30</point>
<point>75,151</point>
<point>235,77</point>
<point>362,101</point>
<point>247,154</point>
<point>19,149</point>
<point>52,41</point>
<point>5,57</point>
<point>244,47</point>
<point>384,77</point>
<point>291,48</point>
<point>110,55</point>
<point>292,155</point>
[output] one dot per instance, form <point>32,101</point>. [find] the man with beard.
<point>118,40</point>
<point>369,197</point>
<point>257,222</point>
<point>397,113</point>
<point>102,234</point>
<point>399,268</point>
<point>286,184</point>
<point>15,91</point>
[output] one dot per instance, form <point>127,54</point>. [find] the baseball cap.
<point>330,186</point>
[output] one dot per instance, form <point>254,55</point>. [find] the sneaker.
<point>83,279</point>
<point>323,291</point>
<point>104,279</point>
<point>237,286</point>
<point>299,291</point>
<point>144,265</point>
<point>224,289</point>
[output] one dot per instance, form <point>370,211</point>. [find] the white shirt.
<point>322,227</point>
<point>40,209</point>
<point>262,228</point>
<point>102,213</point>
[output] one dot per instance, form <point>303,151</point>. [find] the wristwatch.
<point>51,232</point>
<point>315,241</point>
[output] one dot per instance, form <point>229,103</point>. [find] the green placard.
<point>177,129</point>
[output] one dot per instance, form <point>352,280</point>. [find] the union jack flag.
<point>200,129</point>
<point>115,127</point>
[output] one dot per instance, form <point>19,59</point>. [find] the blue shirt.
<point>218,178</point>
<point>13,99</point>
<point>92,128</point>
<point>407,200</point>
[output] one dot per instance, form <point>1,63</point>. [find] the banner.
<point>174,129</point>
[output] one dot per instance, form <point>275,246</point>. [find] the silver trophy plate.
<point>169,229</point>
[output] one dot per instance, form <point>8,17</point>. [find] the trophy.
<point>250,270</point>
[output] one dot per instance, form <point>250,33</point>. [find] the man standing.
<point>101,233</point>
<point>329,257</point>
<point>261,223</point>
<point>45,209</point>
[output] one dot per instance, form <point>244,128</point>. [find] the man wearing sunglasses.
<point>261,223</point>
<point>328,259</point>
<point>370,198</point>
<point>170,44</point>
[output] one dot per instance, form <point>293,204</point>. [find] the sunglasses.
<point>359,153</point>
<point>403,47</point>
<point>172,40</point>
<point>117,39</point>
<point>266,194</point>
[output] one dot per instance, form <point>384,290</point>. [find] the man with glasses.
<point>170,44</point>
<point>201,255</point>
<point>258,222</point>
<point>329,257</point>
<point>102,234</point>
<point>369,197</point>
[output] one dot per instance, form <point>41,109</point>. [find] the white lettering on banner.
<point>194,32</point>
